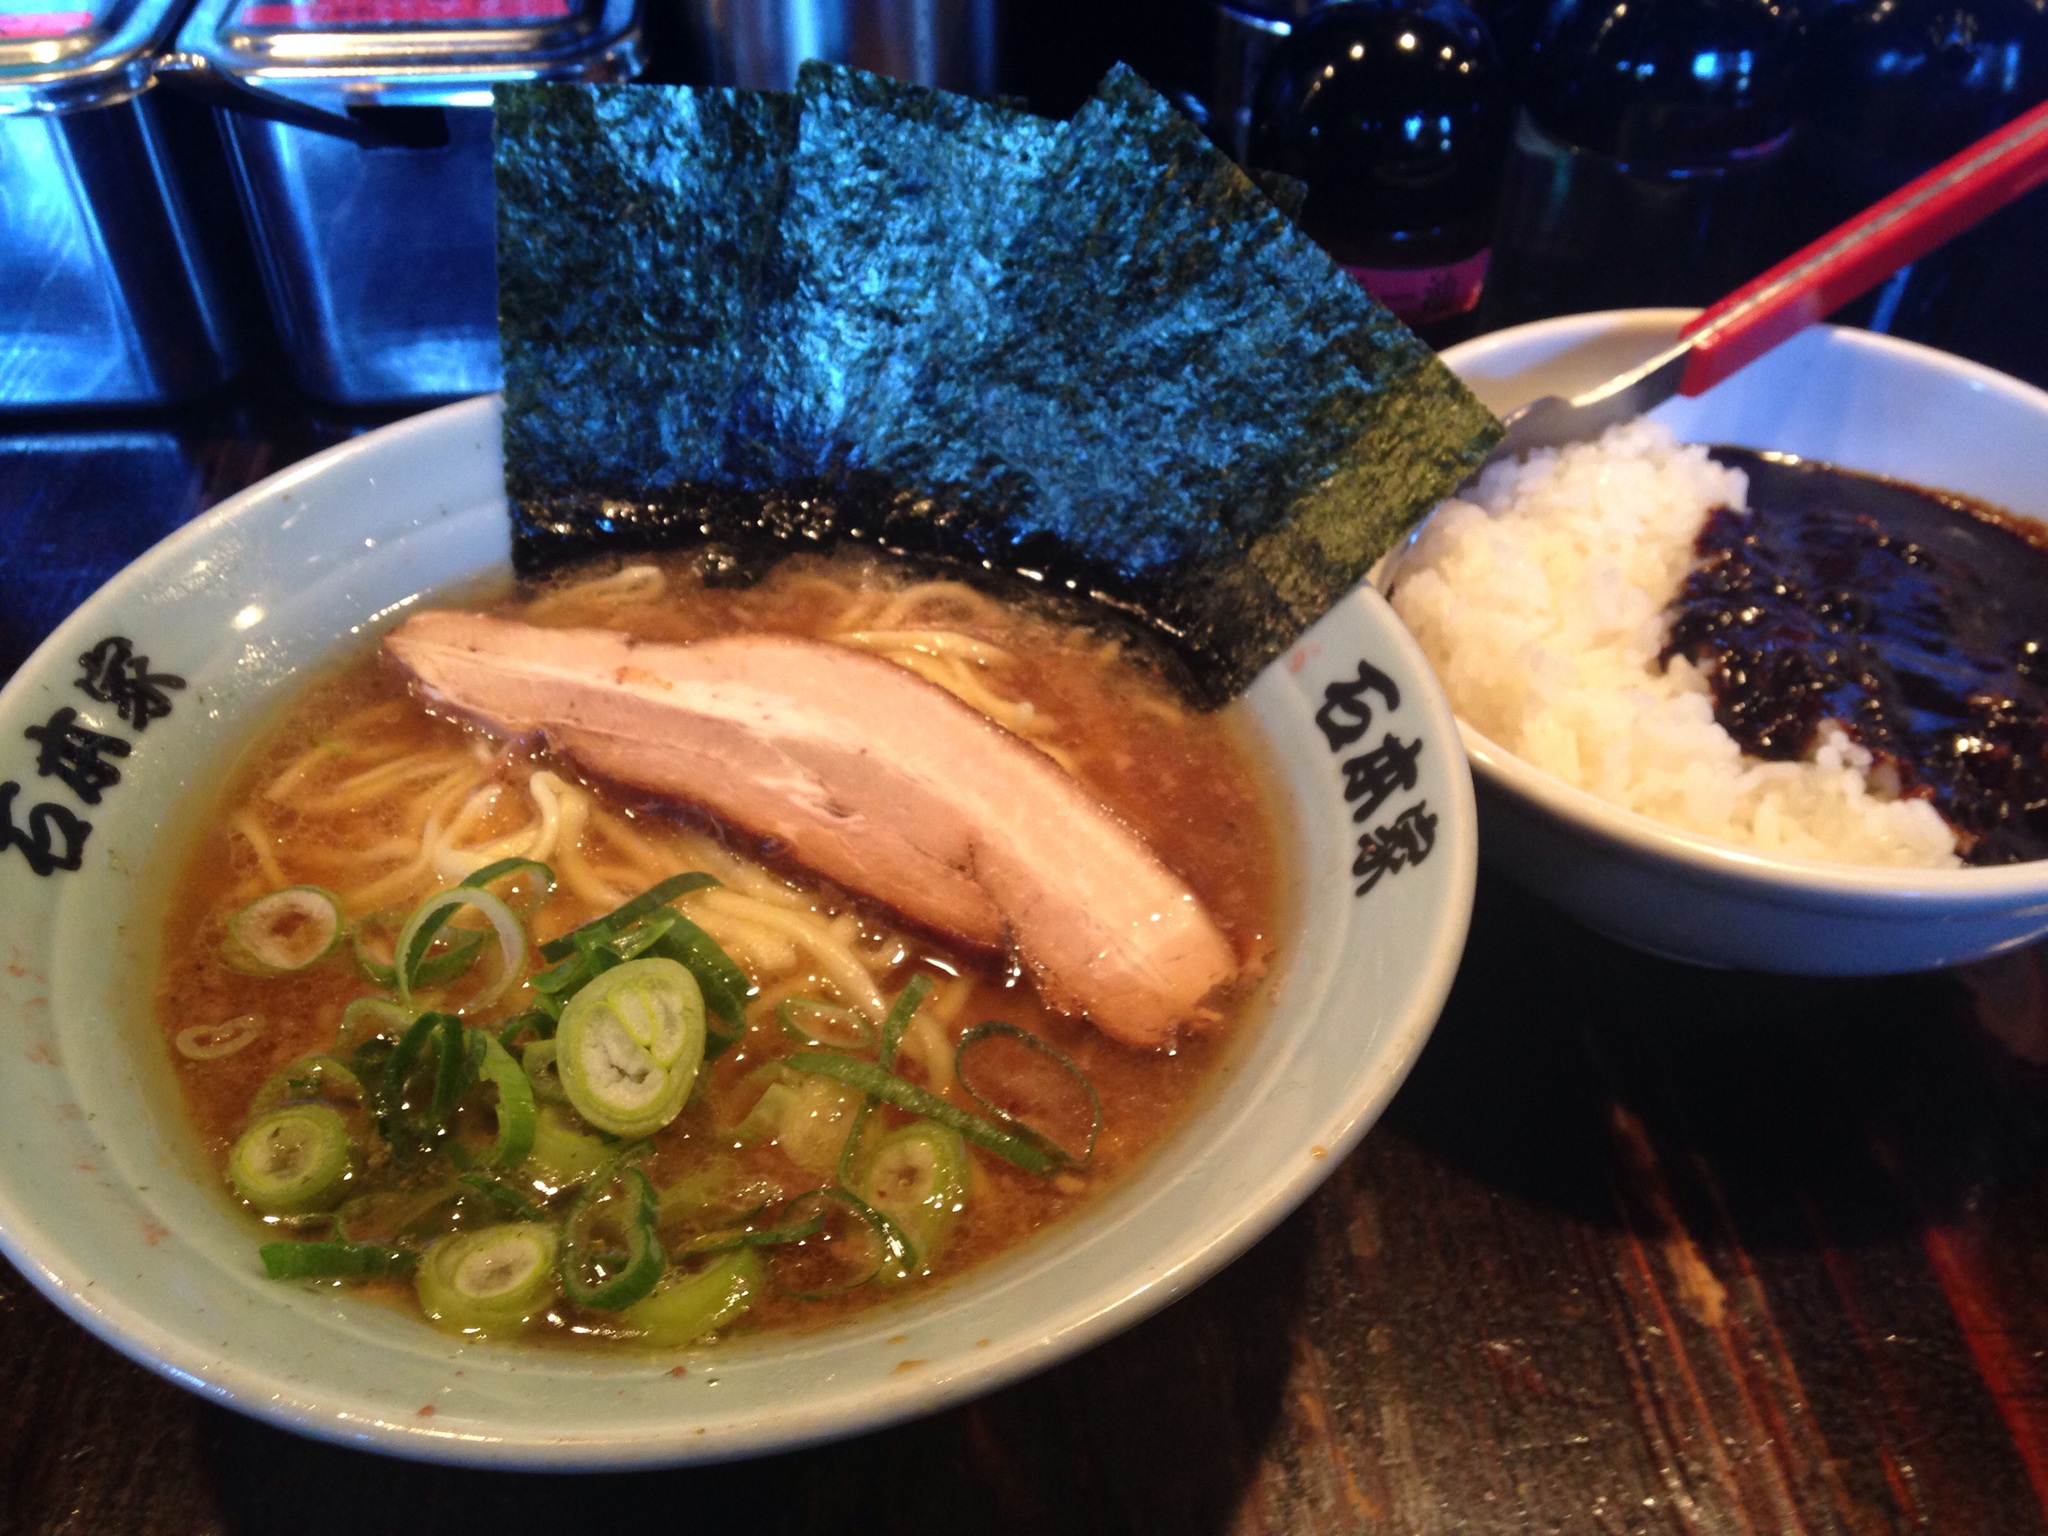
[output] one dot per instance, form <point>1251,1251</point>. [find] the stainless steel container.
<point>759,43</point>
<point>360,135</point>
<point>106,295</point>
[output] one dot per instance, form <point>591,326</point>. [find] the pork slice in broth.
<point>870,776</point>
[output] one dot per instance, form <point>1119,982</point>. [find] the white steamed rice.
<point>1543,608</point>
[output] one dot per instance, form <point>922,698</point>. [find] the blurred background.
<point>271,219</point>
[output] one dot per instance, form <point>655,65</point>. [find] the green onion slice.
<point>815,1022</point>
<point>417,937</point>
<point>630,1044</point>
<point>504,869</point>
<point>562,1155</point>
<point>616,1207</point>
<point>210,1042</point>
<point>284,931</point>
<point>375,935</point>
<point>309,1079</point>
<point>764,1121</point>
<point>515,1200</point>
<point>717,1193</point>
<point>370,1018</point>
<point>293,1161</point>
<point>894,1024</point>
<point>518,1117</point>
<point>854,1243</point>
<point>494,1280</point>
<point>725,986</point>
<point>1025,1152</point>
<point>335,1260</point>
<point>1027,1083</point>
<point>917,1177</point>
<point>685,1308</point>
<point>538,1060</point>
<point>625,916</point>
<point>706,1243</point>
<point>387,1215</point>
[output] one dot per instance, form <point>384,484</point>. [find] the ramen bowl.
<point>109,1204</point>
<point>1845,397</point>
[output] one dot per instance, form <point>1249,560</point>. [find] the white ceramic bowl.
<point>108,1206</point>
<point>1848,397</point>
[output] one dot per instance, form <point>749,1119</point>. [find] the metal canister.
<point>106,293</point>
<point>360,135</point>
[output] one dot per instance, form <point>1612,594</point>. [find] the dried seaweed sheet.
<point>1095,352</point>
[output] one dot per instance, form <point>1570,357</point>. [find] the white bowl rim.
<point>1711,858</point>
<point>1088,1320</point>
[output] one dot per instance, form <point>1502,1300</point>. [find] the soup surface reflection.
<point>367,796</point>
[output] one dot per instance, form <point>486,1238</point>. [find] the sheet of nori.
<point>1095,352</point>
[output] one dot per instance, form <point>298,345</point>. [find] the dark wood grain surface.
<point>1637,1248</point>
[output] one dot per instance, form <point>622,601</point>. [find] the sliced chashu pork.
<point>867,774</point>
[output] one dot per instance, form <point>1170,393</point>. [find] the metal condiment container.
<point>106,297</point>
<point>360,134</point>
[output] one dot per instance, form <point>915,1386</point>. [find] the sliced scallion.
<point>370,1018</point>
<point>623,917</point>
<point>562,1155</point>
<point>293,1161</point>
<point>538,1060</point>
<point>518,1119</point>
<point>917,1177</point>
<point>309,1079</point>
<point>416,938</point>
<point>515,1200</point>
<point>284,931</point>
<point>211,1042</point>
<point>374,936</point>
<point>335,1260</point>
<point>610,1255</point>
<point>685,1308</point>
<point>1027,1083</point>
<point>1025,1152</point>
<point>494,1280</point>
<point>630,1044</point>
<point>505,869</point>
<point>853,1244</point>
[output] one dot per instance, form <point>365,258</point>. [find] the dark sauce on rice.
<point>1915,618</point>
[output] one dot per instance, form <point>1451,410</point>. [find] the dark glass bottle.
<point>1897,86</point>
<point>1647,164</point>
<point>1394,116</point>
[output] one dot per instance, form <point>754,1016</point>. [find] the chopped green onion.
<point>1038,1092</point>
<point>563,1156</point>
<point>504,869</point>
<point>725,986</point>
<point>917,1177</point>
<point>625,916</point>
<point>815,1022</point>
<point>538,1061</point>
<point>370,1018</point>
<point>210,1042</point>
<point>517,1117</point>
<point>310,1078</point>
<point>764,1121</point>
<point>621,1203</point>
<point>706,1243</point>
<point>630,1044</point>
<point>539,1021</point>
<point>285,931</point>
<point>494,1280</point>
<point>439,966</point>
<point>716,1193</point>
<point>894,1024</point>
<point>393,1213</point>
<point>1026,1153</point>
<point>854,1244</point>
<point>293,1161</point>
<point>416,938</point>
<point>518,1202</point>
<point>335,1260</point>
<point>685,1308</point>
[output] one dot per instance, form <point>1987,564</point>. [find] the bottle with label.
<point>1392,112</point>
<point>1648,161</point>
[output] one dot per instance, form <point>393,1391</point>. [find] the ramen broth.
<point>368,795</point>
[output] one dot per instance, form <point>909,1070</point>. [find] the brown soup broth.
<point>342,793</point>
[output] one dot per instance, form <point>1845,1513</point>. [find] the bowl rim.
<point>295,1403</point>
<point>1712,859</point>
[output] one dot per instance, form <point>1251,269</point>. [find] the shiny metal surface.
<point>1552,421</point>
<point>109,297</point>
<point>361,153</point>
<point>759,44</point>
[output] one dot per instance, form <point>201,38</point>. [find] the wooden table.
<point>1637,1248</point>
